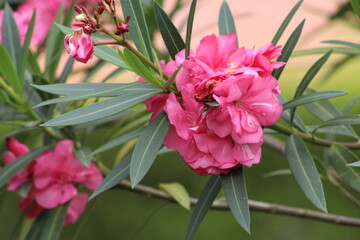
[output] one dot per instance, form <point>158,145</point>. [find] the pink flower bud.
<point>122,28</point>
<point>79,45</point>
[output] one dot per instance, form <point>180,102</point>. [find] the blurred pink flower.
<point>17,149</point>
<point>52,176</point>
<point>227,96</point>
<point>45,15</point>
<point>79,45</point>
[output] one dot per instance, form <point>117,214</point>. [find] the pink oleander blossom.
<point>79,45</point>
<point>227,94</point>
<point>52,176</point>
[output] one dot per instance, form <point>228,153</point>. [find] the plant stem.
<point>106,43</point>
<point>254,206</point>
<point>312,139</point>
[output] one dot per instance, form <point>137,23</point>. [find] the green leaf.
<point>341,157</point>
<point>226,20</point>
<point>148,147</point>
<point>343,120</point>
<point>312,97</point>
<point>109,55</point>
<point>325,110</point>
<point>74,88</point>
<point>338,130</point>
<point>118,141</point>
<point>32,61</point>
<point>21,162</point>
<point>310,74</point>
<point>318,51</point>
<point>354,164</point>
<point>53,223</point>
<point>67,70</point>
<point>10,36</point>
<point>297,122</point>
<point>119,173</point>
<point>138,27</point>
<point>288,48</point>
<point>8,70</point>
<point>344,43</point>
<point>101,109</point>
<point>83,155</point>
<point>304,170</point>
<point>172,38</point>
<point>94,93</point>
<point>189,27</point>
<point>235,192</point>
<point>139,68</point>
<point>280,172</point>
<point>177,192</point>
<point>356,6</point>
<point>205,201</point>
<point>285,23</point>
<point>25,49</point>
<point>350,104</point>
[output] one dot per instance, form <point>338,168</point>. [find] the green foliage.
<point>8,70</point>
<point>234,187</point>
<point>340,157</point>
<point>205,201</point>
<point>169,33</point>
<point>189,27</point>
<point>148,147</point>
<point>138,27</point>
<point>302,166</point>
<point>356,6</point>
<point>117,174</point>
<point>226,20</point>
<point>178,192</point>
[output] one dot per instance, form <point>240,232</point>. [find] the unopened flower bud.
<point>79,45</point>
<point>81,18</point>
<point>122,28</point>
<point>77,9</point>
<point>101,9</point>
<point>127,19</point>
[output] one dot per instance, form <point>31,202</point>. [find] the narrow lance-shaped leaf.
<point>118,141</point>
<point>297,122</point>
<point>21,162</point>
<point>138,27</point>
<point>285,23</point>
<point>343,120</point>
<point>235,192</point>
<point>344,43</point>
<point>350,104</point>
<point>53,224</point>
<point>139,68</point>
<point>148,147</point>
<point>8,70</point>
<point>226,20</point>
<point>354,164</point>
<point>10,36</point>
<point>341,157</point>
<point>67,70</point>
<point>310,74</point>
<point>119,173</point>
<point>101,109</point>
<point>189,27</point>
<point>356,6</point>
<point>288,49</point>
<point>312,97</point>
<point>25,49</point>
<point>89,94</point>
<point>178,192</point>
<point>318,51</point>
<point>304,170</point>
<point>205,201</point>
<point>172,38</point>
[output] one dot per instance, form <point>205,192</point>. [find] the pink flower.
<point>17,149</point>
<point>52,177</point>
<point>227,94</point>
<point>56,171</point>
<point>79,45</point>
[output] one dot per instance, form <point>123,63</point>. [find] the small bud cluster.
<point>123,27</point>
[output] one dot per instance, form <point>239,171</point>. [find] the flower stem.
<point>312,139</point>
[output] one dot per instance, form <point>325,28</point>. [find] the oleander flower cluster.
<point>226,95</point>
<point>53,177</point>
